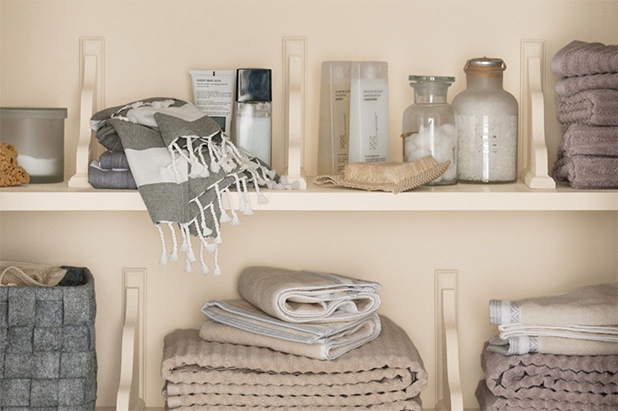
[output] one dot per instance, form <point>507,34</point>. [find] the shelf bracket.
<point>91,99</point>
<point>533,149</point>
<point>131,389</point>
<point>448,385</point>
<point>294,73</point>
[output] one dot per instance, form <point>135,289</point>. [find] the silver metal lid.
<point>431,79</point>
<point>485,64</point>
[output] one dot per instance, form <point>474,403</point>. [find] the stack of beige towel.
<point>556,353</point>
<point>587,106</point>
<point>296,340</point>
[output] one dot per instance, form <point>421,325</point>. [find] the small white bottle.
<point>369,140</point>
<point>334,117</point>
<point>253,113</point>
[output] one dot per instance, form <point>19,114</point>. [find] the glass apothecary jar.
<point>429,125</point>
<point>486,125</point>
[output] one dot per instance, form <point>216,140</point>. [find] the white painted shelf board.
<point>460,197</point>
<point>165,409</point>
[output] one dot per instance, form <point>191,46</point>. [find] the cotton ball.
<point>418,154</point>
<point>409,145</point>
<point>443,150</point>
<point>448,130</point>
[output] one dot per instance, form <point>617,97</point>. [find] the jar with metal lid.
<point>429,125</point>
<point>486,125</point>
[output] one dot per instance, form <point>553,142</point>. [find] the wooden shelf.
<point>460,197</point>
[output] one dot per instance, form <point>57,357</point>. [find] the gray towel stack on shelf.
<point>587,106</point>
<point>297,340</point>
<point>556,353</point>
<point>111,172</point>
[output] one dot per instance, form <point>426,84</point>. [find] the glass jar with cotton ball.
<point>429,126</point>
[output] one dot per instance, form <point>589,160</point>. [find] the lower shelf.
<point>460,197</point>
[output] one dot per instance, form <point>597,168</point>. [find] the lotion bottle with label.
<point>334,117</point>
<point>369,140</point>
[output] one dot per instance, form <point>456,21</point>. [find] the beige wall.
<point>499,255</point>
<point>149,48</point>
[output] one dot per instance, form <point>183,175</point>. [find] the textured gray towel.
<point>110,179</point>
<point>579,58</point>
<point>489,402</point>
<point>580,139</point>
<point>569,86</point>
<point>588,172</point>
<point>110,160</point>
<point>564,378</point>
<point>591,107</point>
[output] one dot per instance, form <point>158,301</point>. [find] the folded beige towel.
<point>307,296</point>
<point>238,322</point>
<point>386,374</point>
<point>524,344</point>
<point>21,274</point>
<point>595,305</point>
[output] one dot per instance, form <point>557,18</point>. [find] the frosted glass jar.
<point>38,136</point>
<point>429,125</point>
<point>486,125</point>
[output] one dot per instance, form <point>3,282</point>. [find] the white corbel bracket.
<point>294,73</point>
<point>533,154</point>
<point>91,99</point>
<point>449,396</point>
<point>131,388</point>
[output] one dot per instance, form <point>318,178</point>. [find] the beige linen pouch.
<point>391,177</point>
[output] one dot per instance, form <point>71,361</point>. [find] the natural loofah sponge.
<point>11,174</point>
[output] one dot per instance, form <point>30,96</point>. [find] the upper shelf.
<point>460,197</point>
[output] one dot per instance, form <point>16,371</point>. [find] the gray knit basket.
<point>47,345</point>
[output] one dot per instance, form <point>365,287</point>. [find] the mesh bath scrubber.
<point>391,177</point>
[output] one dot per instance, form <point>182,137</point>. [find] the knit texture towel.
<point>110,160</point>
<point>184,167</point>
<point>579,58</point>
<point>580,139</point>
<point>569,86</point>
<point>591,107</point>
<point>489,402</point>
<point>591,380</point>
<point>391,177</point>
<point>116,179</point>
<point>21,274</point>
<point>386,374</point>
<point>587,172</point>
<point>307,296</point>
<point>238,322</point>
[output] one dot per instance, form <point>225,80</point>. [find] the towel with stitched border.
<point>238,322</point>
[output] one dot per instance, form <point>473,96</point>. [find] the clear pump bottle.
<point>253,116</point>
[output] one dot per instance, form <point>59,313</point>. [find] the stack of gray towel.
<point>557,353</point>
<point>111,172</point>
<point>587,105</point>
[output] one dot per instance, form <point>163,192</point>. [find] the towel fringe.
<point>235,220</point>
<point>163,260</point>
<point>218,239</point>
<point>174,256</point>
<point>205,269</point>
<point>217,271</point>
<point>225,217</point>
<point>248,209</point>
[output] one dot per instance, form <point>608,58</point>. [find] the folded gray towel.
<point>580,139</point>
<point>587,172</point>
<point>592,107</point>
<point>579,58</point>
<point>587,379</point>
<point>110,160</point>
<point>490,402</point>
<point>110,179</point>
<point>569,86</point>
